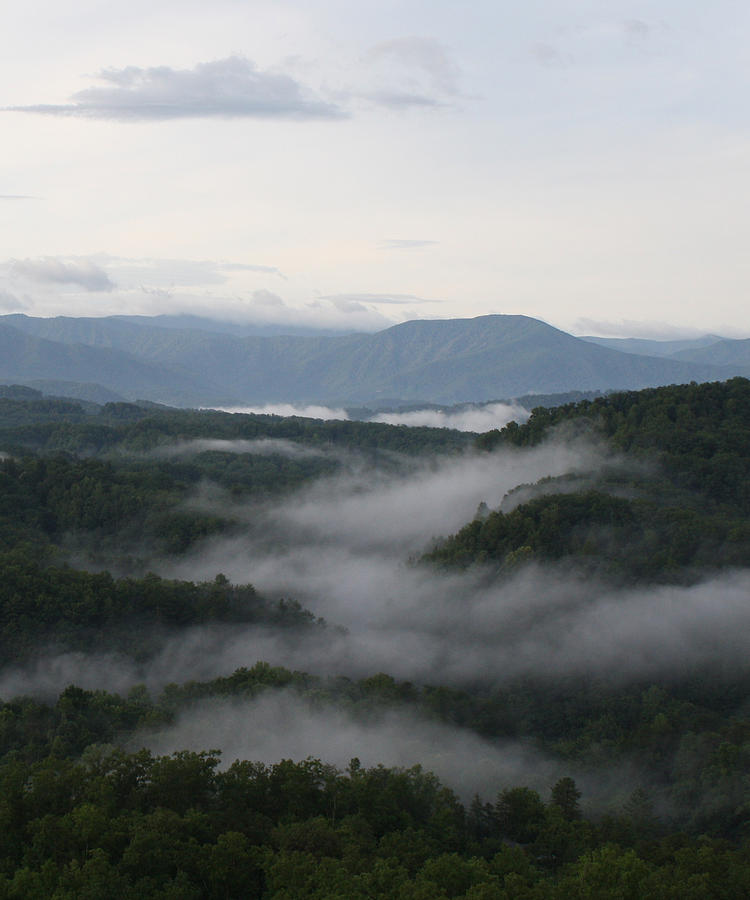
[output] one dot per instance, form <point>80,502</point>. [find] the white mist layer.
<point>542,624</point>
<point>259,447</point>
<point>287,409</point>
<point>340,547</point>
<point>473,418</point>
<point>280,725</point>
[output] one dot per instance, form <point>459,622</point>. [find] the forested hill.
<point>677,501</point>
<point>610,754</point>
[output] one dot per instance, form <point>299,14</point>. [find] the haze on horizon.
<point>312,165</point>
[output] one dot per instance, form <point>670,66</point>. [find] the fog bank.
<point>279,724</point>
<point>287,409</point>
<point>471,418</point>
<point>258,447</point>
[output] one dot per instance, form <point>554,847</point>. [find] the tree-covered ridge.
<point>687,743</point>
<point>684,513</point>
<point>49,425</point>
<point>110,481</point>
<point>699,434</point>
<point>44,606</point>
<point>83,816</point>
<point>622,539</point>
<point>82,819</point>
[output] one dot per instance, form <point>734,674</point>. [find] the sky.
<point>352,166</point>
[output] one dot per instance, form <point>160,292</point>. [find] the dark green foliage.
<point>680,509</point>
<point>105,484</point>
<point>698,434</point>
<point>43,607</point>
<point>53,425</point>
<point>622,538</point>
<point>133,825</point>
<point>80,818</point>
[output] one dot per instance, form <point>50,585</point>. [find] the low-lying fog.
<point>468,418</point>
<point>287,409</point>
<point>471,417</point>
<point>342,548</point>
<point>282,725</point>
<point>257,447</point>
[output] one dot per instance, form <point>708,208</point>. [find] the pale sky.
<point>356,164</point>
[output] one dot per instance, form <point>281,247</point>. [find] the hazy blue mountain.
<point>27,359</point>
<point>238,329</point>
<point>443,361</point>
<point>646,347</point>
<point>73,390</point>
<point>724,352</point>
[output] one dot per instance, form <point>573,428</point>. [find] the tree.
<point>566,795</point>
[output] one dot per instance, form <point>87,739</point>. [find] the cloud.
<point>267,298</point>
<point>49,270</point>
<point>636,30</point>
<point>470,418</point>
<point>10,303</point>
<point>597,42</point>
<point>418,72</point>
<point>402,99</point>
<point>226,88</point>
<point>243,267</point>
<point>396,299</point>
<point>395,244</point>
<point>635,329</point>
<point>547,55</point>
<point>170,273</point>
<point>347,304</point>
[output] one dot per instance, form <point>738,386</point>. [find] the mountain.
<point>442,361</point>
<point>241,329</point>
<point>723,352</point>
<point>647,347</point>
<point>27,359</point>
<point>72,390</point>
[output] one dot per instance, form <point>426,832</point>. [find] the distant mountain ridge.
<point>650,347</point>
<point>440,361</point>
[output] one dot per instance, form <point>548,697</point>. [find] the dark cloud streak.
<point>49,270</point>
<point>226,88</point>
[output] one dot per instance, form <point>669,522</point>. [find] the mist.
<point>279,724</point>
<point>344,547</point>
<point>258,447</point>
<point>287,409</point>
<point>471,418</point>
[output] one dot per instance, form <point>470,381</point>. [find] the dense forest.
<point>682,510</point>
<point>632,780</point>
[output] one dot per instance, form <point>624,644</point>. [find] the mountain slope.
<point>444,361</point>
<point>724,352</point>
<point>649,347</point>
<point>25,358</point>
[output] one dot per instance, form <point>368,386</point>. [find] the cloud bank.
<point>50,270</point>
